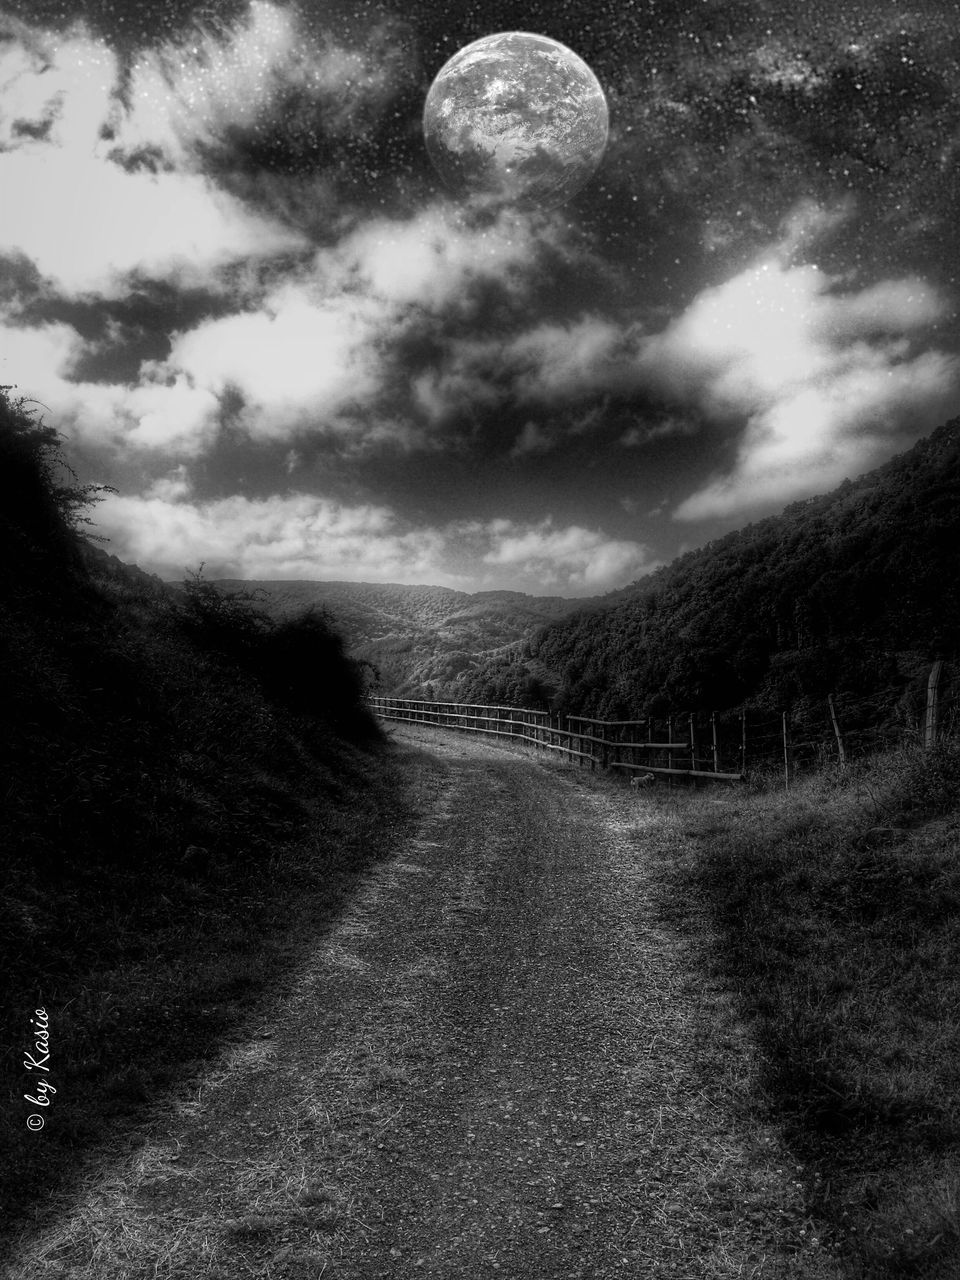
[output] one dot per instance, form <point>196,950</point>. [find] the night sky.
<point>232,279</point>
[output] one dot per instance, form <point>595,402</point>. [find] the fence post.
<point>743,742</point>
<point>787,755</point>
<point>716,752</point>
<point>670,747</point>
<point>933,698</point>
<point>836,729</point>
<point>693,744</point>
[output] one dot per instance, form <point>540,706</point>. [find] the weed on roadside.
<point>837,908</point>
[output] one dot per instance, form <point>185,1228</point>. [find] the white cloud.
<point>88,226</point>
<point>169,415</point>
<point>824,380</point>
<point>314,352</point>
<point>295,536</point>
<point>189,90</point>
<point>299,535</point>
<point>555,361</point>
<point>565,558</point>
<point>809,442</point>
<point>808,222</point>
<point>295,356</point>
<point>84,221</point>
<point>199,88</point>
<point>58,87</point>
<point>432,259</point>
<point>320,347</point>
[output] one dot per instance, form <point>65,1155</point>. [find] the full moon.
<point>517,118</point>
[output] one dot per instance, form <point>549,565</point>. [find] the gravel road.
<point>501,1060</point>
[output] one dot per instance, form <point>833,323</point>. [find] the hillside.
<point>185,781</point>
<point>855,590</point>
<point>423,641</point>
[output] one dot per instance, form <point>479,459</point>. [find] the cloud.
<point>55,88</point>
<point>294,536</point>
<point>194,89</point>
<point>265,75</point>
<point>570,557</point>
<point>89,227</point>
<point>306,536</point>
<point>321,350</point>
<point>160,414</point>
<point>116,183</point>
<point>825,382</point>
<point>556,361</point>
<point>324,348</point>
<point>87,223</point>
<point>816,378</point>
<point>532,439</point>
<point>294,357</point>
<point>547,365</point>
<point>435,260</point>
<point>810,441</point>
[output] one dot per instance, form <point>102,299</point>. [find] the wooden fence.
<point>629,745</point>
<point>719,746</point>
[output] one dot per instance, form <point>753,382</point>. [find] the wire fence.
<point>718,746</point>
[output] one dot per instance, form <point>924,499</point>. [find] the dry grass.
<point>837,911</point>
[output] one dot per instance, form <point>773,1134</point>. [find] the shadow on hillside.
<point>190,789</point>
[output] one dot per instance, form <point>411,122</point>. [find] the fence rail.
<point>719,746</point>
<point>606,747</point>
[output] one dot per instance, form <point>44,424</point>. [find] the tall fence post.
<point>842,755</point>
<point>693,743</point>
<point>716,751</point>
<point>743,742</point>
<point>787,753</point>
<point>933,707</point>
<point>670,748</point>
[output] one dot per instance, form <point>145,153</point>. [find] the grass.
<point>144,976</point>
<point>837,909</point>
<point>188,790</point>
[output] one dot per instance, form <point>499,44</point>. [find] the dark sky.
<point>231,276</point>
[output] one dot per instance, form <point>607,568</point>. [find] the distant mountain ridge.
<point>422,639</point>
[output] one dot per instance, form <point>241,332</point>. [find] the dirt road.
<point>500,1061</point>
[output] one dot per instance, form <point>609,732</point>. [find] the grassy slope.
<point>175,826</point>
<point>838,907</point>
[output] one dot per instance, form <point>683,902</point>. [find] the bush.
<point>42,503</point>
<point>299,662</point>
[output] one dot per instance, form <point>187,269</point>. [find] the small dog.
<point>642,780</point>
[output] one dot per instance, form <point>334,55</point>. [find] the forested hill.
<point>857,589</point>
<point>421,639</point>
